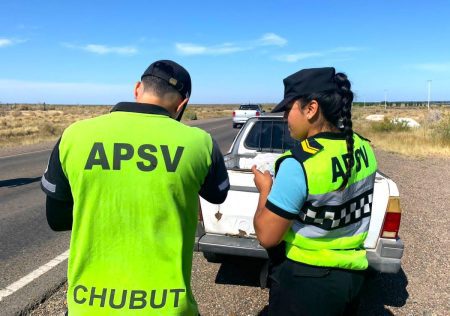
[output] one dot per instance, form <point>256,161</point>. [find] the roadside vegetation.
<point>432,138</point>
<point>23,124</point>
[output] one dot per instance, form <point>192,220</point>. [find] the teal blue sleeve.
<point>288,193</point>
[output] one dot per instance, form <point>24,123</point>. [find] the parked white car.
<point>245,112</point>
<point>228,228</point>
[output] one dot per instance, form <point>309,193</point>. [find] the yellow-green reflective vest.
<point>332,224</point>
<point>135,180</point>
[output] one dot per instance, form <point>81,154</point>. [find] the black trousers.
<point>300,289</point>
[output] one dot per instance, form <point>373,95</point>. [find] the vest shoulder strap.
<point>308,148</point>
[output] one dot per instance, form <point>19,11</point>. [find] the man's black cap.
<point>173,73</point>
<point>304,82</point>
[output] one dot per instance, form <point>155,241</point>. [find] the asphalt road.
<point>26,241</point>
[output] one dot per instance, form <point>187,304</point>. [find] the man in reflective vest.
<point>127,185</point>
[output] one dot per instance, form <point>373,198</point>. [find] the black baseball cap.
<point>171,72</point>
<point>304,82</point>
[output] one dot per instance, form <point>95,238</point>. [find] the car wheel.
<point>234,125</point>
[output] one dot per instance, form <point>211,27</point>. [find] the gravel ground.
<point>420,288</point>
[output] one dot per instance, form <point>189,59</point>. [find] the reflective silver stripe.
<point>224,184</point>
<point>340,197</point>
<point>47,185</point>
<point>311,231</point>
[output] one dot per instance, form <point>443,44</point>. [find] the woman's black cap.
<point>173,73</point>
<point>304,82</point>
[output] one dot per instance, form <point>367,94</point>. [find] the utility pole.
<point>429,93</point>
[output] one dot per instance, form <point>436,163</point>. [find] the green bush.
<point>191,116</point>
<point>388,125</point>
<point>442,131</point>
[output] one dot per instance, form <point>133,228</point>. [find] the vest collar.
<point>145,108</point>
<point>330,135</point>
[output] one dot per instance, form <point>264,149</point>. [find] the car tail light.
<point>392,218</point>
<point>257,113</point>
<point>234,113</point>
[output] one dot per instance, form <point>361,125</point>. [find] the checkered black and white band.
<point>336,216</point>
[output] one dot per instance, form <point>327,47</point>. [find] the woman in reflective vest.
<point>317,211</point>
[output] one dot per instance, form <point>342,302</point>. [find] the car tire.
<point>213,257</point>
<point>234,125</point>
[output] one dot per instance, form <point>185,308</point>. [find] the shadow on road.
<point>239,271</point>
<point>18,182</point>
<point>384,290</point>
<point>379,291</point>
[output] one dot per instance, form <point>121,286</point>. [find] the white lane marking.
<point>10,289</point>
<point>28,153</point>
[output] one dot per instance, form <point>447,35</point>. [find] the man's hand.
<point>263,181</point>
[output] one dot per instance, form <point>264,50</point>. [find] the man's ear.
<point>137,88</point>
<point>182,104</point>
<point>180,109</point>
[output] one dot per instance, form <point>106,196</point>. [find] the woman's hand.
<point>269,227</point>
<point>263,181</point>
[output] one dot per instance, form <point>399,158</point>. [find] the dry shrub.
<point>434,116</point>
<point>49,129</point>
<point>17,132</point>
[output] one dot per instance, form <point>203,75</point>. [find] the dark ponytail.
<point>336,107</point>
<point>346,116</point>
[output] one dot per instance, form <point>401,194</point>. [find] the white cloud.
<point>269,39</point>
<point>103,49</point>
<point>9,42</point>
<point>292,58</point>
<point>5,42</point>
<point>194,49</point>
<point>433,67</point>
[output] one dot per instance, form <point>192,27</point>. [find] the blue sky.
<point>92,52</point>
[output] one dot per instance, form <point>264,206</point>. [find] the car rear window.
<point>270,136</point>
<point>249,107</point>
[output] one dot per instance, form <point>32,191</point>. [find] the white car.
<point>245,112</point>
<point>228,228</point>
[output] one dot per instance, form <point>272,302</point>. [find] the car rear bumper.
<point>229,245</point>
<point>240,120</point>
<point>386,257</point>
